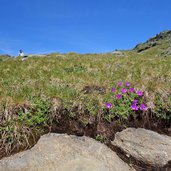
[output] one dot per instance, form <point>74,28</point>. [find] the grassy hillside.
<point>74,89</point>
<point>66,77</point>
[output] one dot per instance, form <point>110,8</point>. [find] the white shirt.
<point>21,54</point>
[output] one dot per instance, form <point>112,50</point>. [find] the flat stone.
<point>61,152</point>
<point>145,145</point>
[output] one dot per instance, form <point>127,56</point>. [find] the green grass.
<point>40,92</point>
<point>66,77</point>
<point>26,88</point>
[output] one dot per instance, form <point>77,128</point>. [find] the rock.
<point>61,152</point>
<point>145,46</point>
<point>144,145</point>
<point>117,53</point>
<point>36,55</point>
<point>162,35</point>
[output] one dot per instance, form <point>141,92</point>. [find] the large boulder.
<point>144,145</point>
<point>60,152</point>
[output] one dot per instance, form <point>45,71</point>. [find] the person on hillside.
<point>21,53</point>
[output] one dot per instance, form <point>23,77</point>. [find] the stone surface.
<point>36,55</point>
<point>118,53</point>
<point>60,152</point>
<point>145,145</point>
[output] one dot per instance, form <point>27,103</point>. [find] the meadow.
<point>37,92</point>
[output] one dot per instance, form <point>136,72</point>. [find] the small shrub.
<point>100,138</point>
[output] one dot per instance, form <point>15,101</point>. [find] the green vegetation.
<point>67,77</point>
<point>21,125</point>
<point>82,84</point>
<point>4,58</point>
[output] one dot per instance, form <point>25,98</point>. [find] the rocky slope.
<point>161,44</point>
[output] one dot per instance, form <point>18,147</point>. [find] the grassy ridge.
<point>66,77</point>
<point>33,91</point>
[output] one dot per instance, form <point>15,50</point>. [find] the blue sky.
<point>83,26</point>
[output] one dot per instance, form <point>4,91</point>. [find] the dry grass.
<point>66,77</point>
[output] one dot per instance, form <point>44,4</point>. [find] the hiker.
<point>21,53</point>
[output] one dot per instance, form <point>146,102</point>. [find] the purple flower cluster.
<point>135,106</point>
<point>126,90</point>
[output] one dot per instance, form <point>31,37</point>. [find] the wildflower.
<point>134,107</point>
<point>113,89</point>
<point>120,84</point>
<point>139,93</point>
<point>118,96</point>
<point>108,105</point>
<point>135,101</point>
<point>127,84</point>
<point>143,107</point>
<point>131,90</point>
<point>123,90</point>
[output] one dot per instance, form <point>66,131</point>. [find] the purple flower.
<point>120,84</point>
<point>118,96</point>
<point>127,84</point>
<point>135,101</point>
<point>113,89</point>
<point>134,107</point>
<point>108,105</point>
<point>139,93</point>
<point>143,107</point>
<point>131,90</point>
<point>123,90</point>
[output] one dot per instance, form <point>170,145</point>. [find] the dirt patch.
<point>93,88</point>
